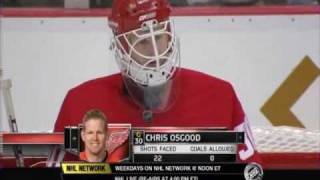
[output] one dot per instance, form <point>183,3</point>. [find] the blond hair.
<point>94,114</point>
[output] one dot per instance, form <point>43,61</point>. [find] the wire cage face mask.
<point>149,58</point>
<point>148,55</point>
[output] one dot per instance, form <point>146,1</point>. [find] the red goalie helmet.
<point>128,15</point>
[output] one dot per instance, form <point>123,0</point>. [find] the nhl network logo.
<point>253,171</point>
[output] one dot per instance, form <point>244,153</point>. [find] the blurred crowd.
<point>107,3</point>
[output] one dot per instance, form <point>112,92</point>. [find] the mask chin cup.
<point>155,99</point>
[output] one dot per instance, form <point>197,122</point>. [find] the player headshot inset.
<point>94,136</point>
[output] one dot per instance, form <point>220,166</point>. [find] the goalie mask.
<point>147,51</point>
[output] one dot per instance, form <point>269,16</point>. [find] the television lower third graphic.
<point>185,145</point>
